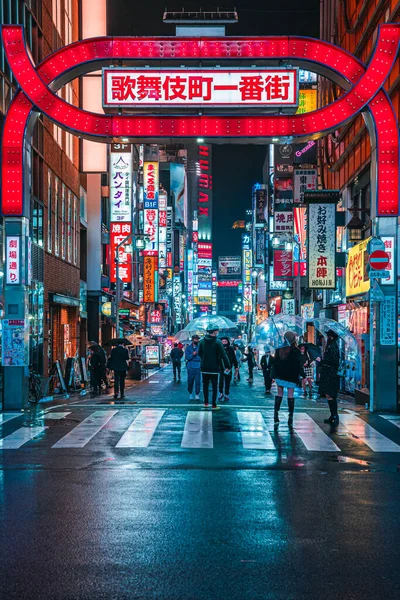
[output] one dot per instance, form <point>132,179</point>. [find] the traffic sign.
<point>376,294</point>
<point>373,274</point>
<point>378,260</point>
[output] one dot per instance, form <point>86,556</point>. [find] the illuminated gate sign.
<point>199,87</point>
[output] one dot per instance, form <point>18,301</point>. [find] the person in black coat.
<point>329,379</point>
<point>226,378</point>
<point>288,366</point>
<point>266,363</point>
<point>97,367</point>
<point>176,357</point>
<point>251,362</point>
<point>118,362</point>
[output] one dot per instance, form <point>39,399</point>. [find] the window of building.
<point>83,204</point>
<point>76,229</point>
<point>68,22</point>
<point>36,327</point>
<point>57,15</point>
<point>37,222</point>
<point>63,232</point>
<point>69,227</point>
<point>49,211</point>
<point>56,216</point>
<point>57,133</point>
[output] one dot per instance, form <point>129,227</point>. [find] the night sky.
<point>235,168</point>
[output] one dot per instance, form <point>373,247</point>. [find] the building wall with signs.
<point>347,154</point>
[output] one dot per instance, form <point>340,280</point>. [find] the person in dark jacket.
<point>329,379</point>
<point>118,362</point>
<point>97,366</point>
<point>212,356</point>
<point>287,374</point>
<point>193,367</point>
<point>176,357</point>
<point>307,364</point>
<point>251,362</point>
<point>226,378</point>
<point>266,363</point>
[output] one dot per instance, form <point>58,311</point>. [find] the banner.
<point>118,232</point>
<point>321,264</point>
<point>260,204</point>
<point>357,280</point>
<point>283,221</point>
<point>178,192</point>
<point>177,299</point>
<point>150,185</point>
<point>121,183</point>
<point>259,247</point>
<point>204,191</point>
<point>13,262</point>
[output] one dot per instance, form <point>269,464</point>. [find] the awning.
<point>64,300</point>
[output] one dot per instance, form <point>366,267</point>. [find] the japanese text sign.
<point>149,269</point>
<point>304,181</point>
<point>121,182</point>
<point>283,221</point>
<point>283,261</point>
<point>357,281</point>
<point>260,205</point>
<point>322,245</point>
<point>13,261</point>
<point>388,321</point>
<point>118,232</point>
<point>389,249</point>
<point>150,185</point>
<point>131,87</point>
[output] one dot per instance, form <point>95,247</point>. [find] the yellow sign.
<point>307,101</point>
<point>357,281</point>
<point>106,309</point>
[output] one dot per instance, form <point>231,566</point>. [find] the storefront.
<point>64,328</point>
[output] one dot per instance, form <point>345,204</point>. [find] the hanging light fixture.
<point>355,226</point>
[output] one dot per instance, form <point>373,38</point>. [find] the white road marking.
<point>394,419</point>
<point>141,430</point>
<point>4,417</point>
<point>20,437</point>
<point>56,415</point>
<point>312,435</point>
<point>198,430</point>
<point>85,431</point>
<point>367,434</point>
<point>255,435</point>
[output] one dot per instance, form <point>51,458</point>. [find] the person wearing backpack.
<point>212,356</point>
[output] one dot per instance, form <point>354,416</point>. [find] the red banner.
<point>283,261</point>
<point>118,232</point>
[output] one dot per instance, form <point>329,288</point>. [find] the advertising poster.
<point>307,101</point>
<point>321,263</point>
<point>283,261</point>
<point>152,355</point>
<point>177,186</point>
<point>121,183</point>
<point>229,265</point>
<point>304,181</point>
<point>15,343</point>
<point>274,306</point>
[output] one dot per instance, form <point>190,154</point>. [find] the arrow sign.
<point>378,260</point>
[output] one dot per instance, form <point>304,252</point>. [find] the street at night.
<point>199,300</point>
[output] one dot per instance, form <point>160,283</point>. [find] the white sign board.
<point>321,255</point>
<point>121,183</point>
<point>389,249</point>
<point>13,260</point>
<point>304,181</point>
<point>289,306</point>
<point>283,221</point>
<point>131,87</point>
<point>388,321</point>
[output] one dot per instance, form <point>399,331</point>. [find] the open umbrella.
<point>117,341</point>
<point>200,325</point>
<point>272,330</point>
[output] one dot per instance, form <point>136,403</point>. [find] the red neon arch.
<point>67,60</point>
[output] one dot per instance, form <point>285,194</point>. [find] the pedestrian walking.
<point>251,362</point>
<point>308,371</point>
<point>239,358</point>
<point>193,367</point>
<point>97,367</point>
<point>267,364</point>
<point>176,357</point>
<point>119,362</point>
<point>212,356</point>
<point>287,375</point>
<point>224,377</point>
<point>329,378</point>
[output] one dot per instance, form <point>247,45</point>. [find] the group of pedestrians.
<point>118,362</point>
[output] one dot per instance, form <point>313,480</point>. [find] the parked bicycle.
<point>35,387</point>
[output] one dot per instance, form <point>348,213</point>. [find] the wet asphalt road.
<point>227,522</point>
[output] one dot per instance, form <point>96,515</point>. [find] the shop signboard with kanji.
<point>304,181</point>
<point>229,265</point>
<point>389,249</point>
<point>259,247</point>
<point>283,221</point>
<point>135,87</point>
<point>150,185</point>
<point>388,321</point>
<point>260,205</point>
<point>149,278</point>
<point>321,264</point>
<point>13,261</point>
<point>283,264</point>
<point>357,280</point>
<point>283,159</point>
<point>118,232</point>
<point>121,182</point>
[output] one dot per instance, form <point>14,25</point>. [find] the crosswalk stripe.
<point>367,434</point>
<point>9,416</point>
<point>19,437</point>
<point>56,415</point>
<point>141,430</point>
<point>312,435</point>
<point>255,435</point>
<point>394,419</point>
<point>198,431</point>
<point>85,431</point>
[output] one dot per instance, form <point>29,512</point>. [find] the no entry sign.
<point>378,260</point>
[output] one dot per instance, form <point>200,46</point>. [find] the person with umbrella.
<point>119,362</point>
<point>287,374</point>
<point>212,356</point>
<point>329,379</point>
